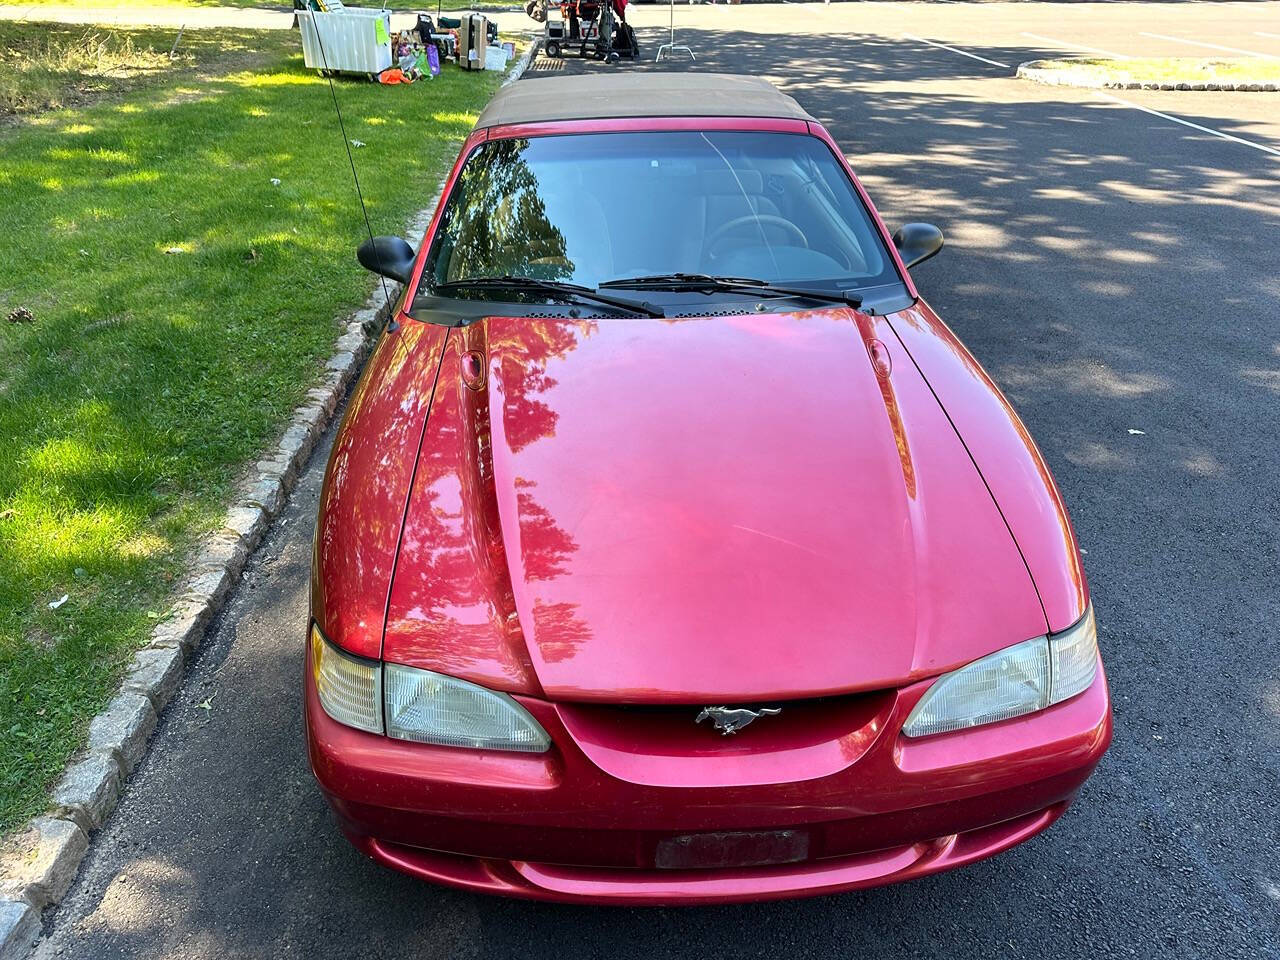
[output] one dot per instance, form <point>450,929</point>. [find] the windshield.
<point>590,208</point>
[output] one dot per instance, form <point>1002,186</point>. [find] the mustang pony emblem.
<point>732,719</point>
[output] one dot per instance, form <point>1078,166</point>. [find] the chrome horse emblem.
<point>732,719</point>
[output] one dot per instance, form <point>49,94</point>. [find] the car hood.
<point>735,508</point>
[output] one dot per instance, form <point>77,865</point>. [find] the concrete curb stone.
<point>286,471</point>
<point>156,673</point>
<point>44,864</point>
<point>122,730</point>
<point>314,418</point>
<point>183,627</point>
<point>246,522</point>
<point>268,492</point>
<point>222,551</point>
<point>210,587</point>
<point>41,870</point>
<point>341,364</point>
<point>19,927</point>
<point>88,791</point>
<point>325,400</point>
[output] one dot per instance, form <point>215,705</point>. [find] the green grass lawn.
<point>181,306</point>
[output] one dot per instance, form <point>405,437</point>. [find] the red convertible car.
<point>672,550</point>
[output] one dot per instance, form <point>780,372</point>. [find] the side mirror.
<point>389,256</point>
<point>917,242</point>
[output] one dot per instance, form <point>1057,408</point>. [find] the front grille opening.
<point>763,726</point>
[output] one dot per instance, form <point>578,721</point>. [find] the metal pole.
<point>670,47</point>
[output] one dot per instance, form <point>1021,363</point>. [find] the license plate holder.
<point>732,848</point>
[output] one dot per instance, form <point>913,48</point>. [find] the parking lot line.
<point>1263,33</point>
<point>963,53</point>
<point>1076,46</point>
<point>1212,46</point>
<point>1124,103</point>
<point>1195,126</point>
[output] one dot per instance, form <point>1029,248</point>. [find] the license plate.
<point>737,848</point>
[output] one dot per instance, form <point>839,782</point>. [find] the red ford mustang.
<point>672,549</point>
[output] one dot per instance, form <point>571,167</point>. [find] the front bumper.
<point>585,820</point>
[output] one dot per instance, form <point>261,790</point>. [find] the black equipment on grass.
<point>590,26</point>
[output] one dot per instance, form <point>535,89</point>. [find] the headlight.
<point>1073,658</point>
<point>1021,679</point>
<point>350,689</point>
<point>420,705</point>
<point>431,708</point>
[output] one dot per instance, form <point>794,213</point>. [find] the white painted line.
<point>1076,46</point>
<point>1194,126</point>
<point>1263,33</point>
<point>1211,46</point>
<point>963,53</point>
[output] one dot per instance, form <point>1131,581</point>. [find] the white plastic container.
<point>346,40</point>
<point>495,58</point>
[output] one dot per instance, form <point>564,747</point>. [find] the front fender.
<point>1007,458</point>
<point>366,486</point>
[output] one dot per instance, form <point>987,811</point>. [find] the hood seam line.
<point>977,469</point>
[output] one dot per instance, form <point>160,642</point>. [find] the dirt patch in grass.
<point>58,69</point>
<point>46,66</point>
<point>1163,73</point>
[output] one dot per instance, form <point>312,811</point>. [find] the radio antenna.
<point>342,128</point>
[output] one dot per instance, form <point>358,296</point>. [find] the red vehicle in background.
<point>672,550</point>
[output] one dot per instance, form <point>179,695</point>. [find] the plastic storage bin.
<point>495,58</point>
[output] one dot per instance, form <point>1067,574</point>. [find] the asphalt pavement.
<point>1115,271</point>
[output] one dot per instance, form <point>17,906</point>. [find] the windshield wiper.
<point>553,287</point>
<point>709,284</point>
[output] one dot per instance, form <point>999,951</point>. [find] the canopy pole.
<point>671,47</point>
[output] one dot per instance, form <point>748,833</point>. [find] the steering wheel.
<point>762,219</point>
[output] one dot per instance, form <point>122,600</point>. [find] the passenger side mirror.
<point>917,242</point>
<point>389,256</point>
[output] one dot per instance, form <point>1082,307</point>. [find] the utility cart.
<point>591,27</point>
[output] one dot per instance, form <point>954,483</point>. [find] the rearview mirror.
<point>917,242</point>
<point>389,256</point>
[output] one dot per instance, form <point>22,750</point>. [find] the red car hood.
<point>719,509</point>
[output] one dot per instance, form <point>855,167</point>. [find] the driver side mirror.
<point>917,242</point>
<point>389,256</point>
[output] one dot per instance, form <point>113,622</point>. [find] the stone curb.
<point>19,927</point>
<point>46,856</point>
<point>1065,78</point>
<point>44,862</point>
<point>522,64</point>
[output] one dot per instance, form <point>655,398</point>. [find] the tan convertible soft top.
<point>618,95</point>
